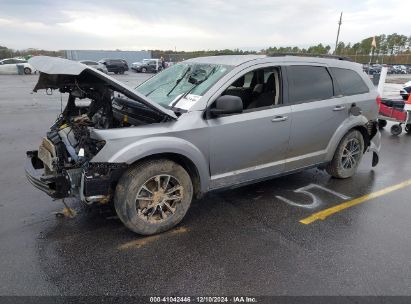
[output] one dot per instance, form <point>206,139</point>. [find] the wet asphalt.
<point>243,241</point>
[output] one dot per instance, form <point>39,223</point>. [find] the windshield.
<point>183,84</point>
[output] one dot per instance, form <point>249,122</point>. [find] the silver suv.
<point>203,124</point>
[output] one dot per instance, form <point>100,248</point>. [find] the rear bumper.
<point>375,147</point>
<point>56,186</point>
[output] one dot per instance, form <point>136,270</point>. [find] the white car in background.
<point>94,64</point>
<point>9,66</point>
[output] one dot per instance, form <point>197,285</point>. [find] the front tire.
<point>143,70</point>
<point>27,71</point>
<point>153,196</point>
<point>348,155</point>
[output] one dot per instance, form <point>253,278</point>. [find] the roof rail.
<point>310,55</point>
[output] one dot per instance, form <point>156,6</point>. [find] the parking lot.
<point>302,234</point>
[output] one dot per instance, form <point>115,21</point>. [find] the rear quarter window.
<point>349,81</point>
<point>309,83</point>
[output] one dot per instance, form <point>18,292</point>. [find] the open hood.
<point>55,73</point>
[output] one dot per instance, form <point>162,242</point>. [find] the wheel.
<point>405,97</point>
<point>396,130</point>
<point>153,196</point>
<point>116,72</point>
<point>143,70</point>
<point>348,155</point>
<point>408,128</point>
<point>382,123</point>
<point>121,71</point>
<point>27,71</point>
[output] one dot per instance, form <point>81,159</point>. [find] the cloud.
<point>193,24</point>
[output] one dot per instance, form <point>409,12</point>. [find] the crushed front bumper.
<point>55,185</point>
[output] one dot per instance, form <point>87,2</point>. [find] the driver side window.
<point>257,89</point>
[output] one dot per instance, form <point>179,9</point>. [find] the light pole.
<point>338,34</point>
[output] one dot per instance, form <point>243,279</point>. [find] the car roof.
<point>236,60</point>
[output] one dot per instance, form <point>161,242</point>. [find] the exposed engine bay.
<point>66,151</point>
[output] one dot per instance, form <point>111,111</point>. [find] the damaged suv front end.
<point>62,166</point>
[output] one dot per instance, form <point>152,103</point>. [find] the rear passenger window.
<point>309,83</point>
<point>349,81</point>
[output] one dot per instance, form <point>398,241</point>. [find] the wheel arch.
<point>353,123</point>
<point>184,162</point>
<point>183,152</point>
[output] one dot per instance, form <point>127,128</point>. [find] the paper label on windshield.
<point>187,102</point>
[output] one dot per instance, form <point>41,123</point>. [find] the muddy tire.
<point>153,196</point>
<point>348,155</point>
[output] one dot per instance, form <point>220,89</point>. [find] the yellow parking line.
<point>322,215</point>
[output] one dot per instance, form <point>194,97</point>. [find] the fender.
<point>157,145</point>
<point>350,123</point>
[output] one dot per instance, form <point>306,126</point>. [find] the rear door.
<point>355,90</point>
<point>317,109</point>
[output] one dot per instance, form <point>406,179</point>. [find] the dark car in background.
<point>116,66</point>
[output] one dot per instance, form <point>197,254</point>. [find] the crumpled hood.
<point>53,71</point>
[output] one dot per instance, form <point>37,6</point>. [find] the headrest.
<point>239,82</point>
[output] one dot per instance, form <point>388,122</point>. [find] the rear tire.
<point>348,155</point>
<point>408,128</point>
<point>396,130</point>
<point>121,71</point>
<point>165,191</point>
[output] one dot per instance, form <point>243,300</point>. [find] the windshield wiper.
<point>155,89</point>
<point>179,80</point>
<point>193,87</point>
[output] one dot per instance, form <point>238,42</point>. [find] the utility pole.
<point>338,34</point>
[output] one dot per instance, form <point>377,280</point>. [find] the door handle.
<point>339,108</point>
<point>279,118</point>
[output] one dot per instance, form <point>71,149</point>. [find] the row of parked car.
<point>119,66</point>
<point>106,65</point>
<point>392,69</point>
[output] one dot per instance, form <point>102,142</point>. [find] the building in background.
<point>96,55</point>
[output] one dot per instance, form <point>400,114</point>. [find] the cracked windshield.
<point>182,85</point>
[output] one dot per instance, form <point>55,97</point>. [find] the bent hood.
<point>52,71</point>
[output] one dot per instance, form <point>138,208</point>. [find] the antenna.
<point>338,34</point>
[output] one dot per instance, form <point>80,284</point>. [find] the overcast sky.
<point>194,24</point>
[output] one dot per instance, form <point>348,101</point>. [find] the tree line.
<point>387,46</point>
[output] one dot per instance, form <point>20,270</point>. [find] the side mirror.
<point>227,104</point>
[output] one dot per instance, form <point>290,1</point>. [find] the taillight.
<point>378,100</point>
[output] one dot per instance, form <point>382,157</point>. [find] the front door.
<point>251,145</point>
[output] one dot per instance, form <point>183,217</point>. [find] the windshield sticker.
<point>187,102</point>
